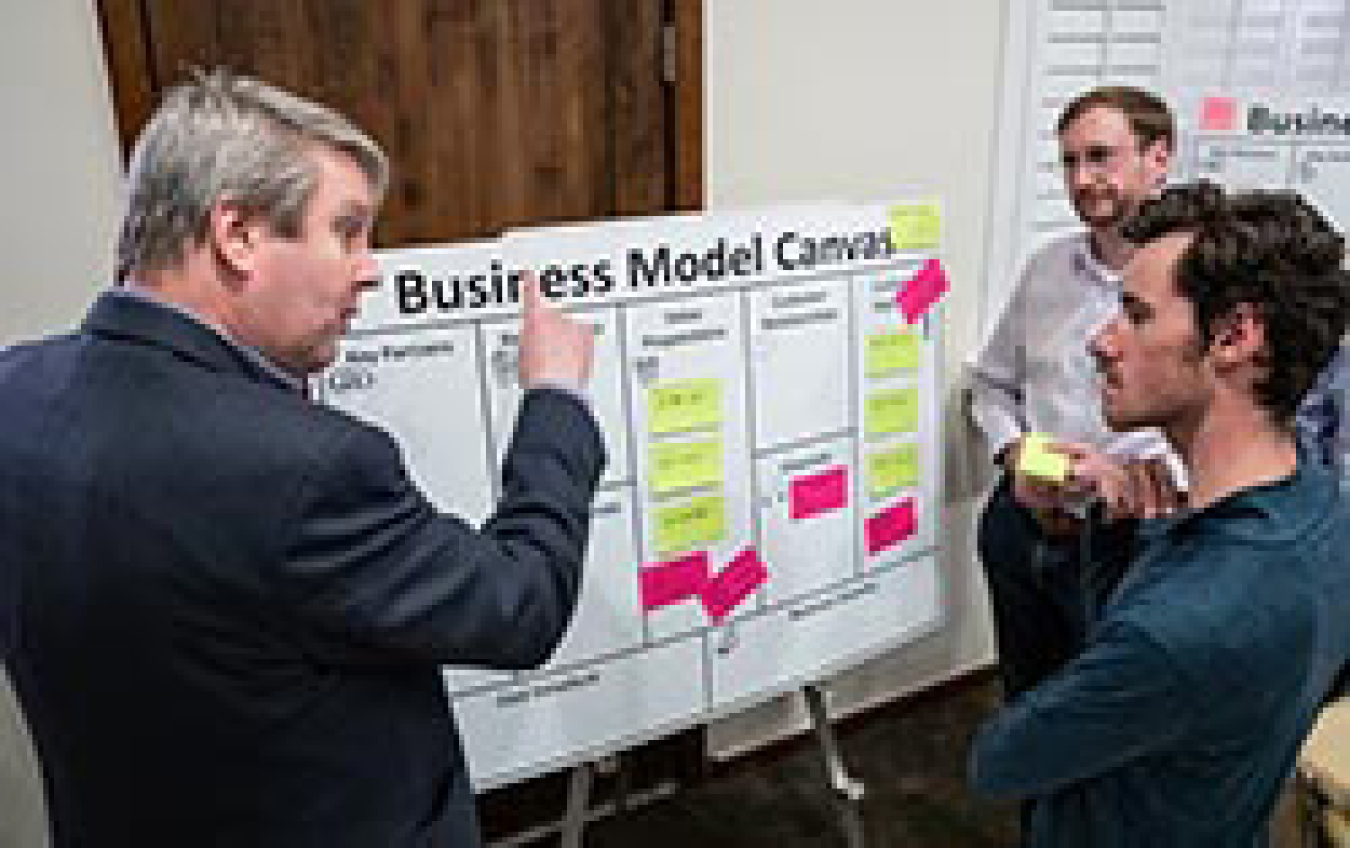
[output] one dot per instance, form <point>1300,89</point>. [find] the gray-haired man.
<point>235,601</point>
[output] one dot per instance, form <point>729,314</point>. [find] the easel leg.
<point>578,801</point>
<point>848,791</point>
<point>617,765</point>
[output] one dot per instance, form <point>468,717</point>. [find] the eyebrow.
<point>355,214</point>
<point>1091,152</point>
<point>1131,301</point>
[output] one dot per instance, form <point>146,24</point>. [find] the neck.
<point>1233,449</point>
<point>188,288</point>
<point>1110,248</point>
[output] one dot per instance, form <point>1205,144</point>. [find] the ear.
<point>1239,337</point>
<point>234,236</point>
<point>1158,158</point>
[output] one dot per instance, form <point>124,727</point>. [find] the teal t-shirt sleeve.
<point>1121,699</point>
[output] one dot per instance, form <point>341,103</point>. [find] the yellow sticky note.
<point>915,226</point>
<point>685,465</point>
<point>674,406</point>
<point>1037,460</point>
<point>887,352</point>
<point>697,522</point>
<point>889,470</point>
<point>892,411</point>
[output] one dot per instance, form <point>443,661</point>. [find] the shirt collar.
<point>1249,511</point>
<point>132,290</point>
<point>1086,263</point>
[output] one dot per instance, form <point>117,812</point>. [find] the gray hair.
<point>225,137</point>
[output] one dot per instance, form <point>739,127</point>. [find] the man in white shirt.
<point>1035,375</point>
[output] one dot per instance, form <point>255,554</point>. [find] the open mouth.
<point>1108,380</point>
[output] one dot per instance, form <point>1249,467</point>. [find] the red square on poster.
<point>922,290</point>
<point>1218,114</point>
<point>666,583</point>
<point>812,494</point>
<point>736,582</point>
<point>890,526</point>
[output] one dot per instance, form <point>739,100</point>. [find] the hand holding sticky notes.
<point>1036,459</point>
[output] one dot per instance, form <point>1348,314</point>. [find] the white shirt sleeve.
<point>998,374</point>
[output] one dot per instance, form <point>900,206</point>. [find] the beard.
<point>1164,399</point>
<point>1117,421</point>
<point>1102,208</point>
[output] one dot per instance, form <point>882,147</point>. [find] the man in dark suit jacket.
<point>235,601</point>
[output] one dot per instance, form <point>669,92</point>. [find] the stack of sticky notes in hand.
<point>1037,460</point>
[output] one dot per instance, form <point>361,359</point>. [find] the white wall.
<point>60,173</point>
<point>806,101</point>
<point>858,100</point>
<point>58,165</point>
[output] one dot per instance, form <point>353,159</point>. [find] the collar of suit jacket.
<point>142,320</point>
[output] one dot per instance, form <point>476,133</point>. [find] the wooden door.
<point>495,113</point>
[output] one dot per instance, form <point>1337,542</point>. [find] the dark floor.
<point>910,755</point>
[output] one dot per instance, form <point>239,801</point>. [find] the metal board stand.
<point>848,790</point>
<point>578,802</point>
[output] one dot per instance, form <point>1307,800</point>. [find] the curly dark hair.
<point>1271,250</point>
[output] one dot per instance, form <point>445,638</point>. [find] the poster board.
<point>769,512</point>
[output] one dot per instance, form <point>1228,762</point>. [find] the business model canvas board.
<point>769,512</point>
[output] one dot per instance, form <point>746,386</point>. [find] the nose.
<point>367,266</point>
<point>367,272</point>
<point>1079,175</point>
<point>1103,345</point>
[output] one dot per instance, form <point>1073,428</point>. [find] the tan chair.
<point>1324,771</point>
<point>1336,827</point>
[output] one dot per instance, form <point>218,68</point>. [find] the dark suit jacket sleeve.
<point>381,576</point>
<point>9,603</point>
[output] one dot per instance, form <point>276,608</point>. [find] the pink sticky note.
<point>1218,113</point>
<point>813,494</point>
<point>669,583</point>
<point>890,526</point>
<point>741,577</point>
<point>922,290</point>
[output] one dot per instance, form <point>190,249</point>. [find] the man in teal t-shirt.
<point>1205,664</point>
